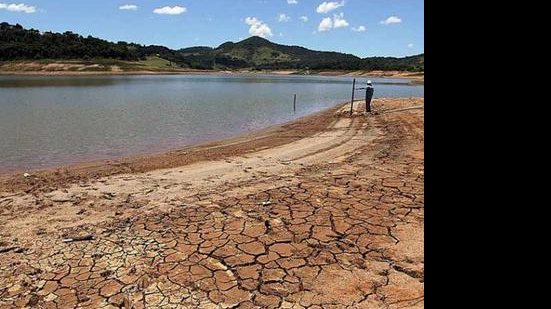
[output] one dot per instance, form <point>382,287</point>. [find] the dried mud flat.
<point>328,220</point>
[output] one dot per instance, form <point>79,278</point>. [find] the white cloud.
<point>304,18</point>
<point>391,20</point>
<point>21,7</point>
<point>339,21</point>
<point>292,2</point>
<point>283,18</point>
<point>360,29</point>
<point>327,7</point>
<point>258,27</point>
<point>129,7</point>
<point>410,45</point>
<point>170,10</point>
<point>325,25</point>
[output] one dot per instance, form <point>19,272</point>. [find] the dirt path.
<point>332,219</point>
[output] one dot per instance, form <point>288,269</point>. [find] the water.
<point>47,121</point>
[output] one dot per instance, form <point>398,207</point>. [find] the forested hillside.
<point>18,43</point>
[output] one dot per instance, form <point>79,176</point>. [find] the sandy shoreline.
<point>45,179</point>
<point>386,74</point>
<point>323,212</point>
<point>84,73</point>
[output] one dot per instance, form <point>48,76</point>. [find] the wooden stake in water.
<point>295,104</point>
<point>352,102</point>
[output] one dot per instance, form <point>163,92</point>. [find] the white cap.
<point>369,81</point>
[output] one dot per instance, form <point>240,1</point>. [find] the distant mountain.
<point>253,53</point>
<point>260,53</point>
<point>411,63</point>
<point>196,50</point>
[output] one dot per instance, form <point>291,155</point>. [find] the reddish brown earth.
<point>63,69</point>
<point>327,219</point>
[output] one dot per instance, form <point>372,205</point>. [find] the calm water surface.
<point>53,120</point>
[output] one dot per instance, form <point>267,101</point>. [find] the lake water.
<point>52,120</point>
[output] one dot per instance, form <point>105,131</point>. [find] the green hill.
<point>260,53</point>
<point>18,43</point>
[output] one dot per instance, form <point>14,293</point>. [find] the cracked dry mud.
<point>332,220</point>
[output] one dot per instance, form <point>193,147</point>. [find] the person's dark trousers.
<point>368,96</point>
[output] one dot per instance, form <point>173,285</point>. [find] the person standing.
<point>369,90</point>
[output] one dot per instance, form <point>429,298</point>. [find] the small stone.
<point>33,301</point>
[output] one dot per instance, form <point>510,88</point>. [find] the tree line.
<point>18,43</point>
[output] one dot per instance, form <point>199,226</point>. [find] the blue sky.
<point>360,27</point>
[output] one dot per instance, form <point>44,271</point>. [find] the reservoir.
<point>54,120</point>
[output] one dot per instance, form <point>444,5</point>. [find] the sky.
<point>360,27</point>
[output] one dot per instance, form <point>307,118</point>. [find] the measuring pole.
<point>352,102</point>
<point>295,104</point>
